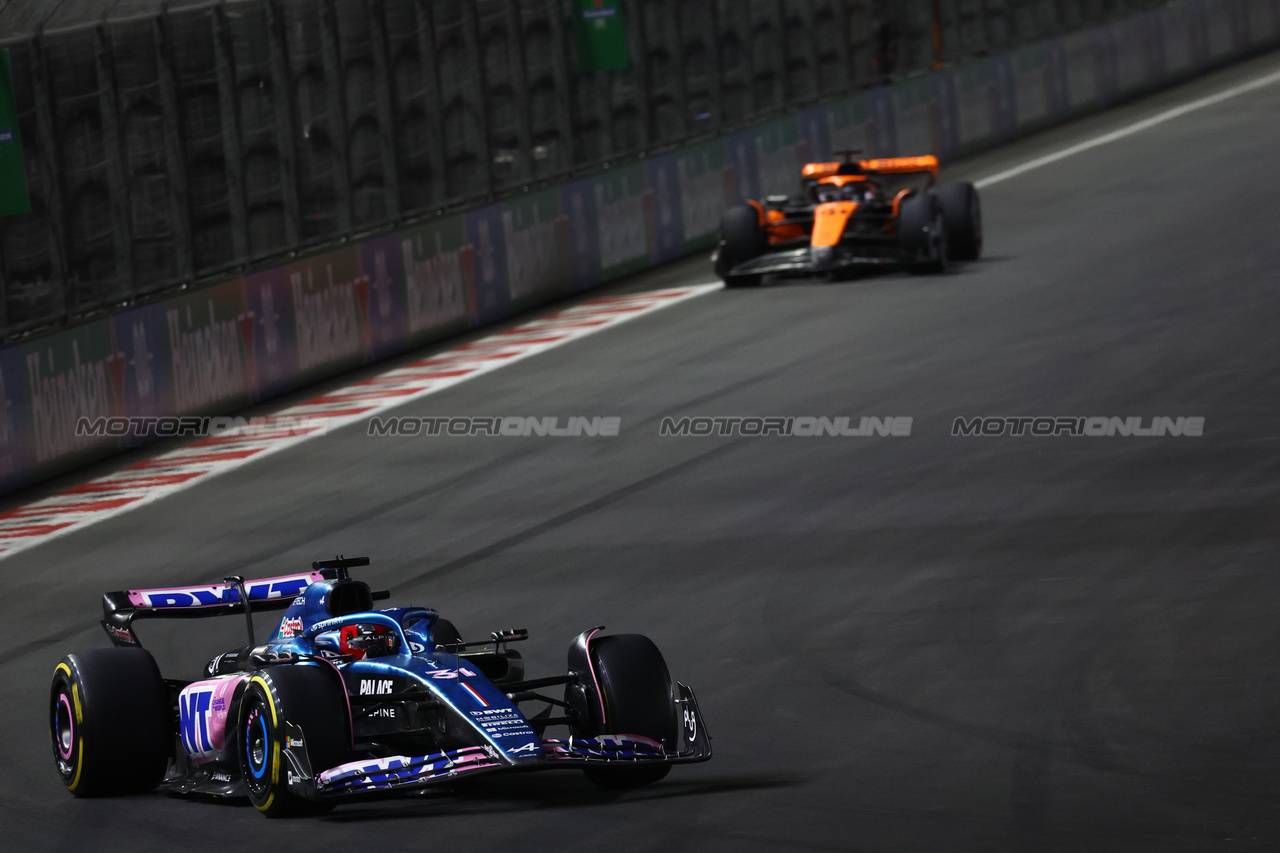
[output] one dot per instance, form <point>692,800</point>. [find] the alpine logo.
<point>528,747</point>
<point>375,687</point>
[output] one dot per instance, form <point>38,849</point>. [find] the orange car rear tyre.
<point>962,211</point>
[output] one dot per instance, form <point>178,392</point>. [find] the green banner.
<point>13,175</point>
<point>601,34</point>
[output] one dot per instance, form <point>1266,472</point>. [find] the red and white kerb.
<point>171,472</point>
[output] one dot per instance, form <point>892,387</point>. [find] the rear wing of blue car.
<point>120,609</point>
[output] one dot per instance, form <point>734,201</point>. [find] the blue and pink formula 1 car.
<point>345,702</point>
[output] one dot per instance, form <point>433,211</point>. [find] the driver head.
<point>365,640</point>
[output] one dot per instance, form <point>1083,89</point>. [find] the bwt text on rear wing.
<point>219,599</point>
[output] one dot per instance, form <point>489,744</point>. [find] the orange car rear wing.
<point>883,166</point>
<point>902,165</point>
<point>817,171</point>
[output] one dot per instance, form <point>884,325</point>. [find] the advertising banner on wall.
<point>662,175</point>
<point>15,426</point>
<point>624,220</point>
<point>815,130</point>
<point>780,153</point>
<point>330,327</point>
<point>73,374</point>
<point>862,123</point>
<point>984,102</point>
<point>1083,84</point>
<point>1263,21</point>
<point>1138,57</point>
<point>140,341</point>
<point>439,275</point>
<point>489,278</point>
<point>535,237</point>
<point>1222,27</point>
<point>578,202</point>
<point>705,183</point>
<point>382,270</point>
<point>269,304</point>
<point>924,116</point>
<point>740,148</point>
<point>1032,86</point>
<point>209,347</point>
<point>1183,33</point>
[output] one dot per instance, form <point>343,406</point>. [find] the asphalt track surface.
<point>923,643</point>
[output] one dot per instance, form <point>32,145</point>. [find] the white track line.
<point>1129,130</point>
<point>173,471</point>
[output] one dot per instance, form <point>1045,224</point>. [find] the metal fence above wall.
<point>168,141</point>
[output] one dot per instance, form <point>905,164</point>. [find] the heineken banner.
<point>535,234</point>
<point>13,176</point>
<point>438,264</point>
<point>704,183</point>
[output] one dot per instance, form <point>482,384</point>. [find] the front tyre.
<point>307,697</point>
<point>742,239</point>
<point>922,234</point>
<point>635,689</point>
<point>111,722</point>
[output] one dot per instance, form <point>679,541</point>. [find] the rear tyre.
<point>741,239</point>
<point>111,722</point>
<point>636,689</point>
<point>922,234</point>
<point>309,698</point>
<point>962,212</point>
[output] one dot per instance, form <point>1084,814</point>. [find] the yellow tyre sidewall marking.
<point>275,741</point>
<point>75,701</point>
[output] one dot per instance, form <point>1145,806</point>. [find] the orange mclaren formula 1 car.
<point>850,215</point>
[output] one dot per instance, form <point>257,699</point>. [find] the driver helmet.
<point>364,640</point>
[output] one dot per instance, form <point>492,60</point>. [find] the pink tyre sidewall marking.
<point>71,727</point>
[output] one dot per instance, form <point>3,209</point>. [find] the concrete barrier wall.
<point>245,340</point>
